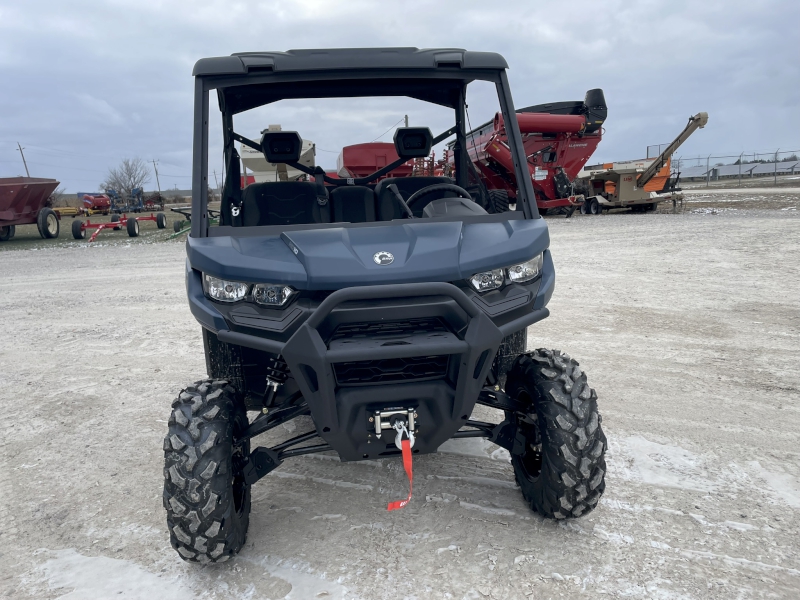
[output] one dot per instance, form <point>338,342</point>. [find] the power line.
<point>388,130</point>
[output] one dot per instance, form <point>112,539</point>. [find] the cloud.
<point>86,83</point>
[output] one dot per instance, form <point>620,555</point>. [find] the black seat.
<point>353,204</point>
<point>388,206</point>
<point>282,203</point>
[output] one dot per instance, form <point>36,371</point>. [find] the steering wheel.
<point>449,187</point>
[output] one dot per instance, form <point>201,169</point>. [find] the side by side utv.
<point>384,307</point>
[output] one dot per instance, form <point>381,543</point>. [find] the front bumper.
<point>474,330</point>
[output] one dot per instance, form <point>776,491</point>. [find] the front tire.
<point>161,220</point>
<point>205,496</point>
<point>7,232</point>
<point>561,469</point>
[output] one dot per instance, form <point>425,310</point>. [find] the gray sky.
<point>86,83</point>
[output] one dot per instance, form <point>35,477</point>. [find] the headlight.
<point>488,280</point>
<point>222,290</point>
<point>525,271</point>
<point>272,294</point>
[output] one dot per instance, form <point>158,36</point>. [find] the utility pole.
<point>406,118</point>
<point>775,169</point>
<point>708,172</point>
<point>740,169</point>
<point>215,179</point>
<point>23,158</point>
<point>155,168</point>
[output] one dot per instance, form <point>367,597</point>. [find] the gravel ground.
<point>688,326</point>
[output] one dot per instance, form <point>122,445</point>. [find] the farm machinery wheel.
<point>177,226</point>
<point>161,220</point>
<point>561,469</point>
<point>47,223</point>
<point>115,219</point>
<point>498,201</point>
<point>585,207</point>
<point>132,225</point>
<point>594,207</point>
<point>7,232</point>
<point>205,495</point>
<point>78,232</point>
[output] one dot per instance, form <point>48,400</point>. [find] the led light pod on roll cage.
<point>223,290</point>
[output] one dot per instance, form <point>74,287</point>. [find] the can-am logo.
<point>383,258</point>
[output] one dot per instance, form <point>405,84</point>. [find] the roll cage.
<point>250,80</point>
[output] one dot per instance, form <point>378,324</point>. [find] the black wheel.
<point>177,226</point>
<point>205,496</point>
<point>115,219</point>
<point>77,231</point>
<point>562,467</point>
<point>161,220</point>
<point>498,201</point>
<point>510,348</point>
<point>132,225</point>
<point>585,207</point>
<point>7,232</point>
<point>594,207</point>
<point>47,223</point>
<point>223,361</point>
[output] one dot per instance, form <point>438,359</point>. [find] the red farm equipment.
<point>131,225</point>
<point>559,138</point>
<point>95,203</point>
<point>23,201</point>
<point>359,160</point>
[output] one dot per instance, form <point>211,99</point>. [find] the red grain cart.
<point>23,201</point>
<point>559,138</point>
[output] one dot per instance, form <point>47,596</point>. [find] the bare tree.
<point>131,173</point>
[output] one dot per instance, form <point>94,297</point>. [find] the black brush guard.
<point>341,414</point>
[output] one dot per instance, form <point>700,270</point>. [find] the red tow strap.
<point>406,444</point>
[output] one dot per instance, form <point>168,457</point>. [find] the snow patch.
<point>782,484</point>
<point>102,577</point>
<point>664,465</point>
<point>475,447</point>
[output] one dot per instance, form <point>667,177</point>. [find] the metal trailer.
<point>637,184</point>
<point>23,201</point>
<point>131,225</point>
<point>558,139</point>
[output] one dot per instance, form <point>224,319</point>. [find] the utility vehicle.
<point>385,312</point>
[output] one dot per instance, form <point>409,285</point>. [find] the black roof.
<point>347,59</point>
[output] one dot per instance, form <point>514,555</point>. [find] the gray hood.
<point>339,257</point>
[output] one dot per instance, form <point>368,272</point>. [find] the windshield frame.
<point>371,78</point>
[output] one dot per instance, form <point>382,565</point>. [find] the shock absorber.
<point>277,372</point>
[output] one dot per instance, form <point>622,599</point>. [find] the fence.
<point>742,166</point>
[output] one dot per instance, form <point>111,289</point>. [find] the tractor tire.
<point>7,232</point>
<point>77,230</point>
<point>561,469</point>
<point>205,496</point>
<point>177,226</point>
<point>594,207</point>
<point>161,220</point>
<point>115,219</point>
<point>48,224</point>
<point>132,225</point>
<point>498,201</point>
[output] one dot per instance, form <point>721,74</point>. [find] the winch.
<point>402,420</point>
